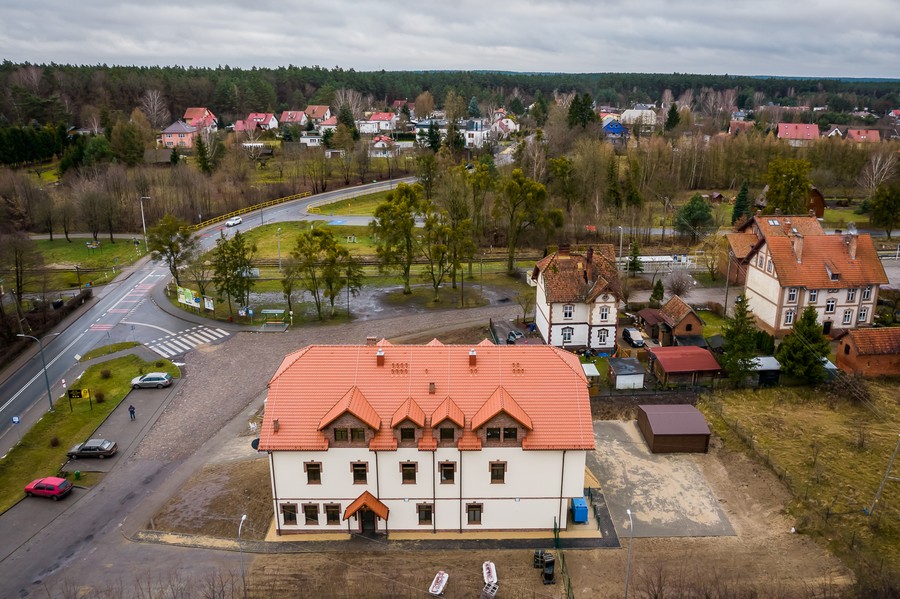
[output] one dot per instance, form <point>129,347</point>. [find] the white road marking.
<point>153,326</point>
<point>40,372</point>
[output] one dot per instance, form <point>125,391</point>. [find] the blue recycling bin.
<point>579,510</point>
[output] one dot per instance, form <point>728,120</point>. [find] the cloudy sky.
<point>822,38</point>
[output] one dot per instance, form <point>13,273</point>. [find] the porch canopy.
<point>368,501</point>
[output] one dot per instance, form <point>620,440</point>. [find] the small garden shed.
<point>677,428</point>
<point>626,373</point>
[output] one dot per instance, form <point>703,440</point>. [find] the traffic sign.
<point>15,420</point>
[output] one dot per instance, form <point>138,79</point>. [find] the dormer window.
<point>493,434</point>
<point>407,434</point>
<point>568,311</point>
<point>341,434</point>
<point>448,434</point>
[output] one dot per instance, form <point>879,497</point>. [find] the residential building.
<point>864,136</point>
<point>179,135</point>
<point>503,127</point>
<point>678,319</point>
<point>614,130</point>
<point>870,352</point>
<point>317,113</point>
<point>262,120</point>
<point>377,122</point>
<point>379,438</point>
<point>475,135</point>
<point>201,118</point>
<point>736,127</point>
<point>383,147</point>
<point>329,124</point>
<point>794,264</point>
<point>577,298</point>
<point>798,134</point>
<point>311,139</point>
<point>294,117</point>
<point>642,118</point>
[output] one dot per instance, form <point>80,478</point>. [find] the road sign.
<point>15,420</point>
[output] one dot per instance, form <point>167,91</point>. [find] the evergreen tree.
<point>474,110</point>
<point>539,109</point>
<point>581,111</point>
<point>433,137</point>
<point>694,218</point>
<point>740,342</point>
<point>656,296</point>
<point>672,118</point>
<point>173,157</point>
<point>803,350</point>
<point>634,261</point>
<point>203,162</point>
<point>515,106</point>
<point>613,189</point>
<point>741,204</point>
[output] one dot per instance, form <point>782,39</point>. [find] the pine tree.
<point>740,342</point>
<point>741,204</point>
<point>634,261</point>
<point>802,352</point>
<point>672,118</point>
<point>203,162</point>
<point>474,110</point>
<point>656,296</point>
<point>173,157</point>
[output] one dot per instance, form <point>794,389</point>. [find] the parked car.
<point>94,448</point>
<point>513,337</point>
<point>233,221</point>
<point>50,486</point>
<point>633,336</point>
<point>153,379</point>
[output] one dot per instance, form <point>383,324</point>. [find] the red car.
<point>50,486</point>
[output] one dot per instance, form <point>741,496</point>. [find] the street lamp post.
<point>278,234</point>
<point>630,545</point>
<point>241,550</point>
<point>44,364</point>
<point>621,231</point>
<point>143,222</point>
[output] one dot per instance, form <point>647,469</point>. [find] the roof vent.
<point>431,388</point>
<point>275,425</point>
<point>379,357</point>
<point>472,357</point>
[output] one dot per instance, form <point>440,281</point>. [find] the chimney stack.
<point>379,357</point>
<point>371,340</point>
<point>852,240</point>
<point>797,242</point>
<point>473,358</point>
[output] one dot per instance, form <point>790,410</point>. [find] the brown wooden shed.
<point>679,428</point>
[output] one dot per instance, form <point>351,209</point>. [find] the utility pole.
<point>887,477</point>
<point>144,223</point>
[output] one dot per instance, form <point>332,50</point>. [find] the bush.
<point>716,308</point>
<point>159,363</point>
<point>105,374</point>
<point>99,396</point>
<point>54,441</point>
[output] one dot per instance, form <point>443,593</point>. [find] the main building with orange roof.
<point>428,438</point>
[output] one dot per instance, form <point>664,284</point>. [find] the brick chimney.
<point>852,240</point>
<point>473,357</point>
<point>379,357</point>
<point>797,242</point>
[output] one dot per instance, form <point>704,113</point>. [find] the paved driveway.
<point>667,494</point>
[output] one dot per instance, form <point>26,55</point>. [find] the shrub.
<point>105,374</point>
<point>99,396</point>
<point>159,363</point>
<point>54,441</point>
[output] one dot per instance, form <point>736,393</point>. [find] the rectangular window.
<point>493,434</point>
<point>604,335</point>
<point>289,514</point>
<point>829,306</point>
<point>567,334</point>
<point>792,295</point>
<point>813,295</point>
<point>848,316</point>
<point>568,311</point>
<point>769,266</point>
<point>332,513</point>
<point>760,261</point>
<point>360,472</point>
<point>313,473</point>
<point>358,434</point>
<point>867,292</point>
<point>407,434</point>
<point>863,314</point>
<point>426,513</point>
<point>851,295</point>
<point>473,510</point>
<point>311,513</point>
<point>340,434</point>
<point>498,473</point>
<point>789,317</point>
<point>604,312</point>
<point>448,472</point>
<point>448,434</point>
<point>510,433</point>
<point>408,472</point>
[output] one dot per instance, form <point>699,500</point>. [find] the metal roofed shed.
<point>626,373</point>
<point>679,428</point>
<point>766,371</point>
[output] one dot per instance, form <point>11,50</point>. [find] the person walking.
<point>131,411</point>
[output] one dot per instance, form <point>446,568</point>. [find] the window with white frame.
<point>863,314</point>
<point>760,261</point>
<point>567,334</point>
<point>568,311</point>
<point>867,292</point>
<point>769,266</point>
<point>789,317</point>
<point>848,316</point>
<point>813,295</point>
<point>603,336</point>
<point>604,312</point>
<point>851,295</point>
<point>829,306</point>
<point>792,295</point>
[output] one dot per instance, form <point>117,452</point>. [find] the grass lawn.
<point>107,349</point>
<point>36,455</point>
<point>360,205</point>
<point>839,217</point>
<point>266,238</point>
<point>832,454</point>
<point>61,254</point>
<point>712,324</point>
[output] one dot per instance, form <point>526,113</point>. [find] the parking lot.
<point>667,494</point>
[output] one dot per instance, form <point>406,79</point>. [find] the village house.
<point>294,117</point>
<point>577,298</point>
<point>435,438</point>
<point>798,134</point>
<point>678,320</point>
<point>317,113</point>
<point>377,122</point>
<point>870,352</point>
<point>794,264</point>
<point>329,124</point>
<point>179,135</point>
<point>383,147</point>
<point>201,118</point>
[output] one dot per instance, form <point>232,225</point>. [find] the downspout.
<point>275,493</point>
<point>433,491</point>
<point>562,476</point>
<point>460,489</point>
<point>378,489</point>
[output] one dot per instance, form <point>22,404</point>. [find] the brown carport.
<point>673,428</point>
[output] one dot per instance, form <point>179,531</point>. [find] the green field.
<point>37,455</point>
<point>99,264</point>
<point>362,205</point>
<point>832,452</point>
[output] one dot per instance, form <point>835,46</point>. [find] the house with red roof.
<point>798,134</point>
<point>261,120</point>
<point>383,147</point>
<point>329,124</point>
<point>317,113</point>
<point>429,438</point>
<point>201,118</point>
<point>795,264</point>
<point>577,298</point>
<point>293,117</point>
<point>179,135</point>
<point>870,352</point>
<point>864,136</point>
<point>377,122</point>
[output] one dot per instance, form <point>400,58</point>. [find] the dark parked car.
<point>94,448</point>
<point>50,486</point>
<point>153,379</point>
<point>633,336</point>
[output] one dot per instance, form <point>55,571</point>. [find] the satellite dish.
<point>255,444</point>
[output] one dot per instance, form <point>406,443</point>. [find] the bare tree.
<point>352,99</point>
<point>880,168</point>
<point>200,273</point>
<point>679,282</point>
<point>424,105</point>
<point>29,77</point>
<point>153,105</point>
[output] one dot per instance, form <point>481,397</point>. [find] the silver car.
<point>153,379</point>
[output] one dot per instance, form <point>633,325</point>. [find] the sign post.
<point>16,420</point>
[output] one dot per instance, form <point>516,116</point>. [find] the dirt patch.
<point>469,335</point>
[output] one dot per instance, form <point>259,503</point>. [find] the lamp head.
<point>628,512</point>
<point>244,517</point>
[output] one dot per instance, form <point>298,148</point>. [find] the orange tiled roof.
<point>797,131</point>
<point>875,342</point>
<point>501,401</point>
<point>675,310</point>
<point>367,500</point>
<point>409,410</point>
<point>864,135</point>
<point>316,111</point>
<point>565,280</point>
<point>684,358</point>
<point>832,251</point>
<point>741,244</point>
<point>779,225</point>
<point>317,384</point>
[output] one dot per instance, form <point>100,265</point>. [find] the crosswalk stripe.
<point>161,351</point>
<point>172,348</point>
<point>224,333</point>
<point>204,335</point>
<point>180,343</point>
<point>194,340</point>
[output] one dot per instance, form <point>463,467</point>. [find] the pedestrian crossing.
<point>186,340</point>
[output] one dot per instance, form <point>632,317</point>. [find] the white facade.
<point>576,324</point>
<point>630,381</point>
<point>516,503</point>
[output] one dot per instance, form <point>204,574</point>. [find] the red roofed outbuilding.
<point>682,364</point>
<point>870,352</point>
